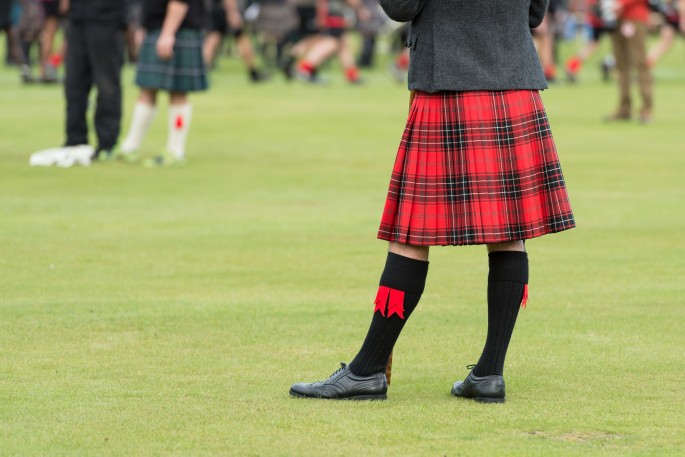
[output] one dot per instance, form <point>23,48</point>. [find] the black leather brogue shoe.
<point>344,385</point>
<point>483,389</point>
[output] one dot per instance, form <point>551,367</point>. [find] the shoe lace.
<point>471,367</point>
<point>343,365</point>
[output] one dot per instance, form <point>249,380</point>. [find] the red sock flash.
<point>393,299</point>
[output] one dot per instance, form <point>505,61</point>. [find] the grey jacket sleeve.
<point>403,10</point>
<point>536,12</point>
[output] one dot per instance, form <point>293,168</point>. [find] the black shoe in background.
<point>483,389</point>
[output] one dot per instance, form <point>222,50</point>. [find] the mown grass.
<point>166,312</point>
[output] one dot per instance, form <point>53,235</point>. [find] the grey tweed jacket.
<point>471,44</point>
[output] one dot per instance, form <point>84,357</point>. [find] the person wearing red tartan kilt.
<point>477,164</point>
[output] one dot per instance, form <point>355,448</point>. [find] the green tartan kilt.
<point>184,72</point>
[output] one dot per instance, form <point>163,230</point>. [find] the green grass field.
<point>166,312</point>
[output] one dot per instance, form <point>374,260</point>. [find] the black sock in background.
<point>507,280</point>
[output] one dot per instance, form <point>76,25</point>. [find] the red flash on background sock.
<point>352,74</point>
<point>393,299</point>
<point>179,122</point>
<point>307,67</point>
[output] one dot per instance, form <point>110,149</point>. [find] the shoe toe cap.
<point>457,389</point>
<point>300,389</point>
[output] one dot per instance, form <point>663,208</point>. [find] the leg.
<point>148,96</point>
<point>347,60</point>
<point>545,46</point>
<point>622,56</point>
<point>210,47</point>
<point>368,51</point>
<point>575,63</point>
<point>638,56</point>
<point>507,291</point>
<point>321,50</point>
<point>47,38</point>
<point>401,286</point>
<point>106,51</point>
<point>143,115</point>
<point>247,53</point>
<point>507,280</point>
<point>79,80</point>
<point>245,50</point>
<point>407,250</point>
<point>180,113</point>
<point>304,45</point>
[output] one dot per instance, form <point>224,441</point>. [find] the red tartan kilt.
<point>475,168</point>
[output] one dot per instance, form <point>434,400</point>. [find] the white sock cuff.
<point>143,115</point>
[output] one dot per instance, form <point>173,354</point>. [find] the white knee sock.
<point>143,114</point>
<point>179,124</point>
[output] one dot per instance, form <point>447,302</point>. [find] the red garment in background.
<point>634,10</point>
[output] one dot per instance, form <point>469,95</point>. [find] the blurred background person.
<point>6,26</point>
<point>597,31</point>
<point>171,61</point>
<point>629,44</point>
<point>95,56</point>
<point>332,39</point>
<point>225,17</point>
<point>53,11</point>
<point>9,11</point>
<point>275,25</point>
<point>399,68</point>
<point>369,31</point>
<point>301,38</point>
<point>27,33</point>
<point>545,37</point>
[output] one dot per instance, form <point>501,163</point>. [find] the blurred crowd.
<point>292,38</point>
<point>273,34</point>
<point>627,24</point>
<point>296,38</point>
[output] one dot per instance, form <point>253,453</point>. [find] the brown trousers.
<point>631,52</point>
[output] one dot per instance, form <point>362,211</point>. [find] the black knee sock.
<point>401,286</point>
<point>507,288</point>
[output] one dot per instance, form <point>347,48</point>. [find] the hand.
<point>63,7</point>
<point>165,46</point>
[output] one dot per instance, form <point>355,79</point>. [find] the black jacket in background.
<point>99,11</point>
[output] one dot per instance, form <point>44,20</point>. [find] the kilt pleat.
<point>184,72</point>
<point>475,168</point>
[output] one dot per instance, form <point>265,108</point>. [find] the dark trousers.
<point>95,55</point>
